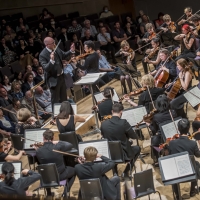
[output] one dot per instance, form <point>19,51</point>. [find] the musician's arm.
<point>189,44</point>
<point>187,80</point>
<point>109,164</point>
<point>78,119</point>
<point>155,62</point>
<point>63,146</point>
<point>65,55</point>
<point>14,157</point>
<point>129,131</point>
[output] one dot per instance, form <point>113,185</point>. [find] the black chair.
<point>6,17</point>
<point>91,189</point>
<point>60,18</point>
<point>50,177</point>
<point>33,24</point>
<point>16,16</point>
<point>32,18</point>
<point>92,16</point>
<point>117,154</point>
<point>80,19</point>
<point>65,23</point>
<point>143,185</point>
<point>16,67</point>
<point>73,15</point>
<point>71,138</point>
<point>114,18</point>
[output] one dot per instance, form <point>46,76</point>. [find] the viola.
<point>172,27</point>
<point>175,87</point>
<point>38,144</point>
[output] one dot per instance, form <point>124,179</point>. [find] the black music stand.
<point>91,79</point>
<point>180,179</point>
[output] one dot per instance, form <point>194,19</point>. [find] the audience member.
<point>29,70</point>
<point>28,83</point>
<point>88,26</point>
<point>18,76</point>
<point>145,20</point>
<point>5,98</point>
<point>40,75</point>
<point>21,22</point>
<point>77,43</point>
<point>139,17</point>
<point>51,34</point>
<point>53,25</point>
<point>75,27</point>
<point>46,14</point>
<point>35,64</point>
<point>6,124</point>
<point>40,28</point>
<point>6,83</point>
<point>43,98</point>
<point>102,24</point>
<point>23,33</point>
<point>16,90</point>
<point>132,22</point>
<point>106,12</point>
<point>10,35</point>
<point>34,48</point>
<point>63,35</point>
<point>16,105</point>
<point>87,36</point>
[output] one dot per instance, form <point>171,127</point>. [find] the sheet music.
<point>36,134</point>
<point>134,116</point>
<point>100,97</point>
<point>169,129</point>
<point>176,167</point>
<point>101,146</point>
<point>192,99</point>
<point>17,171</point>
<point>57,108</point>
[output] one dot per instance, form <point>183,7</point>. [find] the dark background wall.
<point>172,7</point>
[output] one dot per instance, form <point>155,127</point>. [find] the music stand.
<point>90,79</point>
<point>181,166</point>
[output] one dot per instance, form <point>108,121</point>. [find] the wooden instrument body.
<point>161,78</point>
<point>174,89</point>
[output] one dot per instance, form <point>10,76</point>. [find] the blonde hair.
<point>166,18</point>
<point>148,26</point>
<point>124,43</point>
<point>14,83</point>
<point>23,114</point>
<point>188,9</point>
<point>148,80</point>
<point>90,153</point>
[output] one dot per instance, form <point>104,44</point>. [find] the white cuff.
<point>52,61</point>
<point>72,51</point>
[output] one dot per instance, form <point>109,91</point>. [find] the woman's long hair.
<point>8,170</point>
<point>65,110</point>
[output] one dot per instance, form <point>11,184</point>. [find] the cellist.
<point>169,65</point>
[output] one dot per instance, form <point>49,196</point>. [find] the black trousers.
<point>195,127</point>
<point>59,92</point>
<point>116,182</point>
<point>69,175</point>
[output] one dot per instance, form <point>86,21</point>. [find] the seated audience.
<point>5,98</point>
<point>43,98</point>
<point>63,35</point>
<point>87,36</point>
<point>101,24</point>
<point>46,14</point>
<point>21,22</point>
<point>159,21</point>
<point>16,90</point>
<point>26,121</point>
<point>6,124</point>
<point>106,12</point>
<point>16,105</point>
<point>11,187</point>
<point>28,83</point>
<point>75,27</point>
<point>40,28</point>
<point>88,26</point>
<point>6,83</point>
<point>40,75</point>
<point>34,48</point>
<point>29,70</point>
<point>53,25</point>
<point>52,35</point>
<point>10,35</point>
<point>35,65</point>
<point>23,33</point>
<point>18,76</point>
<point>78,44</point>
<point>145,20</point>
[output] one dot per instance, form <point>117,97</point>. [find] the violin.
<point>79,57</point>
<point>138,91</point>
<point>37,144</point>
<point>164,145</point>
<point>106,117</point>
<point>172,27</point>
<point>151,54</point>
<point>130,56</point>
<point>152,36</point>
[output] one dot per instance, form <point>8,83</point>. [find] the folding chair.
<point>91,189</point>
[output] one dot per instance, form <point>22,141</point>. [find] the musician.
<point>185,76</point>
<point>187,39</point>
<point>162,106</point>
<point>105,106</point>
<point>89,170</point>
<point>151,56</point>
<point>4,156</point>
<point>10,187</point>
<point>46,155</point>
<point>26,121</point>
<point>117,129</point>
<point>196,21</point>
<point>128,57</point>
<point>185,144</point>
<point>169,66</point>
<point>16,105</point>
<point>196,125</point>
<point>188,14</point>
<point>144,99</point>
<point>168,26</point>
<point>52,64</point>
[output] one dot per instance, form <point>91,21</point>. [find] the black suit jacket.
<point>90,170</point>
<point>184,144</point>
<point>26,87</point>
<point>116,129</point>
<point>46,155</point>
<point>38,79</point>
<point>51,70</point>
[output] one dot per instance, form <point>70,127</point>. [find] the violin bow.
<point>192,15</point>
<point>180,18</point>
<point>173,120</point>
<point>65,153</point>
<point>111,96</point>
<point>30,140</point>
<point>151,98</point>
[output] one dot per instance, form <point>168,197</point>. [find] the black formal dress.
<point>19,186</point>
<point>195,127</point>
<point>110,187</point>
<point>54,76</point>
<point>70,126</point>
<point>116,129</point>
<point>184,144</point>
<point>105,108</point>
<point>45,155</point>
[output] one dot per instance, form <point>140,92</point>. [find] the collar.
<point>184,137</point>
<point>49,50</point>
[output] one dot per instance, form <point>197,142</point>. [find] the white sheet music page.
<point>100,97</point>
<point>57,108</point>
<point>101,146</point>
<point>36,135</point>
<point>169,129</point>
<point>183,165</point>
<point>192,99</point>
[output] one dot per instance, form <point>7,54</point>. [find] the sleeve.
<point>172,69</point>
<point>86,64</point>
<point>2,103</point>
<point>154,126</point>
<point>63,146</point>
<point>32,126</point>
<point>10,129</point>
<point>40,102</point>
<point>47,66</point>
<point>65,54</point>
<point>196,151</point>
<point>141,100</point>
<point>130,133</point>
<point>108,165</point>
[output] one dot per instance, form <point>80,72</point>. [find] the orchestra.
<point>159,82</point>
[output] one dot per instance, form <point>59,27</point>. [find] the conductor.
<point>51,61</point>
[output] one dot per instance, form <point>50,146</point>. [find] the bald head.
<point>49,43</point>
<point>28,94</point>
<point>39,90</point>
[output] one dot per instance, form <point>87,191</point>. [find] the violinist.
<point>162,106</point>
<point>185,76</point>
<point>196,125</point>
<point>128,57</point>
<point>184,144</point>
<point>169,66</point>
<point>168,26</point>
<point>4,148</point>
<point>144,99</point>
<point>46,155</point>
<point>188,14</point>
<point>11,187</point>
<point>187,39</point>
<point>196,21</point>
<point>151,55</point>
